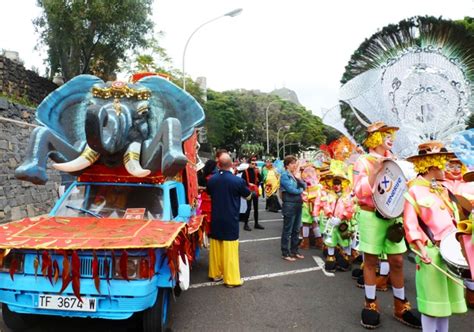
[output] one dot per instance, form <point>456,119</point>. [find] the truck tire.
<point>156,318</point>
<point>14,321</point>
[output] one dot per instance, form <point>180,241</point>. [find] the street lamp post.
<point>278,139</point>
<point>232,13</point>
<point>284,138</point>
<point>290,145</point>
<point>266,123</point>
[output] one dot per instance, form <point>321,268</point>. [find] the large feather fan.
<point>417,75</point>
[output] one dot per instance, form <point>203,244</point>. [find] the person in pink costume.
<point>310,195</point>
<point>429,215</point>
<point>374,231</point>
<point>338,209</point>
<point>454,180</point>
<point>466,188</point>
<point>318,211</point>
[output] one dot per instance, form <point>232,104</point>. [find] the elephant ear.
<point>168,100</point>
<point>63,111</point>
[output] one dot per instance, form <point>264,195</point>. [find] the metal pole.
<point>266,123</point>
<point>284,139</point>
<point>278,143</point>
<point>278,140</point>
<point>290,144</point>
<point>232,13</point>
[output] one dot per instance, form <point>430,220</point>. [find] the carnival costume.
<point>318,210</point>
<point>430,215</point>
<point>271,179</point>
<point>308,217</point>
<point>338,208</point>
<point>454,181</point>
<point>374,229</point>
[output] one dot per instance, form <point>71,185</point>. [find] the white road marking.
<point>320,263</point>
<point>268,220</point>
<point>262,276</point>
<point>264,239</point>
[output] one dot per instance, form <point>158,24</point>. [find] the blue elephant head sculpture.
<point>141,125</point>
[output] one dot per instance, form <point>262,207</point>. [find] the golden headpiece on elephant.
<point>119,90</point>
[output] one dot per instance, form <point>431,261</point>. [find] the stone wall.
<point>16,81</point>
<point>19,199</point>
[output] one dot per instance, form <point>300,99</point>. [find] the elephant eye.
<point>143,109</point>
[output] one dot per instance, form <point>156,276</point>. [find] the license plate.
<point>70,303</point>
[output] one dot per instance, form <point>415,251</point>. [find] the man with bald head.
<point>225,190</point>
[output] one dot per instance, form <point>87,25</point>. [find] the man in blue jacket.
<point>292,187</point>
<point>225,190</point>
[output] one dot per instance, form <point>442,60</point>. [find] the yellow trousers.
<point>224,261</point>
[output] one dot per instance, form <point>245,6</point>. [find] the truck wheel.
<point>156,318</point>
<point>14,321</point>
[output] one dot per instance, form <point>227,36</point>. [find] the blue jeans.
<point>291,228</point>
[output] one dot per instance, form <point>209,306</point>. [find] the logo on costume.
<point>385,185</point>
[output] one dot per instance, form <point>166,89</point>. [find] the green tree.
<point>470,122</point>
<point>249,149</point>
<point>86,37</point>
<point>236,120</point>
<point>151,58</point>
<point>223,121</point>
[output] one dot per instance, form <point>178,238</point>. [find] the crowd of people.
<point>332,206</point>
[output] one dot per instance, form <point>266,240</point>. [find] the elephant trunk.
<point>103,130</point>
<point>131,161</point>
<point>87,158</point>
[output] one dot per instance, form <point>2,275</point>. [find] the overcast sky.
<point>303,45</point>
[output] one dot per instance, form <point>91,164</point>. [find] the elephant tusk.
<point>131,160</point>
<point>87,158</point>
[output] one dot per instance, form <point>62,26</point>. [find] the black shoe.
<point>370,316</point>
<point>404,313</point>
<point>258,226</point>
<point>360,281</point>
<point>247,228</point>
<point>343,263</point>
<point>358,260</point>
<point>330,264</point>
<point>356,273</point>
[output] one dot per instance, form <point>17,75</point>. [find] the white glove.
<point>334,221</point>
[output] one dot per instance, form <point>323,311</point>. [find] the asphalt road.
<point>277,295</point>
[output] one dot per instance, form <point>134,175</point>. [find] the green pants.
<point>373,235</point>
<point>335,239</point>
<point>322,222</point>
<point>437,295</point>
<point>306,217</point>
